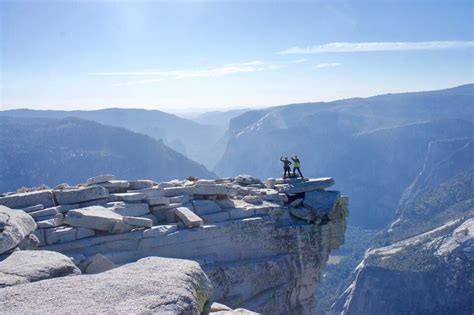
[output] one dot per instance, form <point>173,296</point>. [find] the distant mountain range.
<point>50,151</point>
<point>374,147</point>
<point>195,140</point>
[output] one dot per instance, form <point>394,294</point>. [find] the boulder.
<point>129,209</point>
<point>150,285</point>
<point>95,217</point>
<point>30,266</point>
<point>320,201</point>
<point>17,225</point>
<point>202,207</point>
<point>138,222</point>
<point>97,264</point>
<point>28,199</point>
<point>72,196</point>
<point>189,218</point>
<point>99,179</point>
<point>131,196</point>
<point>141,184</point>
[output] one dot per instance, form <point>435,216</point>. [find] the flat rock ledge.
<point>150,285</point>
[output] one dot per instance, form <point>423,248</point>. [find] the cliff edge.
<point>261,244</point>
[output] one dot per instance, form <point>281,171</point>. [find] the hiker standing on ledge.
<point>286,166</point>
<point>296,166</point>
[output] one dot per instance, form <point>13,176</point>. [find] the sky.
<point>217,55</point>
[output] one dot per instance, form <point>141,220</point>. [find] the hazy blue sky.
<point>195,55</point>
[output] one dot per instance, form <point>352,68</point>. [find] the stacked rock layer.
<point>262,245</point>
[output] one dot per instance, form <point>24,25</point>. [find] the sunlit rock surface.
<point>431,273</point>
<point>261,245</point>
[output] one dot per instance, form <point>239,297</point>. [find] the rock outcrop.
<point>151,285</point>
<point>15,230</point>
<point>261,245</point>
<point>31,265</point>
<point>431,273</point>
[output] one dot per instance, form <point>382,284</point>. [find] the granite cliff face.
<point>431,273</point>
<point>262,245</point>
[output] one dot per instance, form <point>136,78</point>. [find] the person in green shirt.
<point>296,166</point>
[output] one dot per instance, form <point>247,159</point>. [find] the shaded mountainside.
<point>431,273</point>
<point>185,136</point>
<point>376,146</point>
<point>49,151</point>
<point>429,249</point>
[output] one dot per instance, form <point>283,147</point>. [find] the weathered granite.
<point>177,191</point>
<point>73,196</point>
<point>151,285</point>
<point>28,199</point>
<point>99,179</point>
<point>17,225</point>
<point>321,202</point>
<point>241,232</point>
<point>156,201</point>
<point>95,217</point>
<point>188,217</point>
<point>54,221</point>
<point>43,213</point>
<point>431,273</point>
<point>128,209</point>
<point>30,266</point>
<point>115,186</point>
<point>129,196</point>
<point>64,234</point>
<point>97,264</point>
<point>300,186</point>
<point>138,222</point>
<point>33,208</point>
<point>200,189</point>
<point>202,207</point>
<point>141,184</point>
